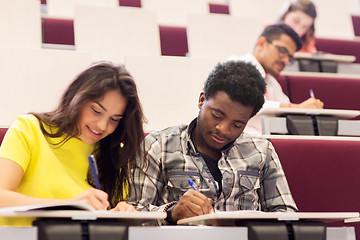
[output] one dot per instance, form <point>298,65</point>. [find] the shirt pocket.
<point>178,183</point>
<point>248,180</point>
<point>247,197</point>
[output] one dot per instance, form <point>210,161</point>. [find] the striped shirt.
<point>252,176</point>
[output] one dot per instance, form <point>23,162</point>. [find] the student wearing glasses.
<point>274,50</point>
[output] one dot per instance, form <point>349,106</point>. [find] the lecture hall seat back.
<point>356,24</point>
<point>322,174</point>
<point>283,83</point>
<point>2,134</point>
<point>336,93</point>
<point>219,8</point>
<point>130,3</point>
<point>173,41</point>
<point>339,46</point>
<point>58,31</point>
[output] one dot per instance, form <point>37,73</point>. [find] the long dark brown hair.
<point>115,154</point>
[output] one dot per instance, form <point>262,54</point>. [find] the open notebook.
<point>76,211</point>
<point>52,207</point>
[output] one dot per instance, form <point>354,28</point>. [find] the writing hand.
<point>124,207</point>
<point>310,103</point>
<point>191,204</point>
<point>93,197</point>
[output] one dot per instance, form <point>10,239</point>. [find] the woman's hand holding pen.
<point>94,197</point>
<point>124,207</point>
<point>191,204</point>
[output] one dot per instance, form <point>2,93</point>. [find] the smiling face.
<point>100,118</point>
<point>269,55</point>
<point>220,122</point>
<point>299,21</point>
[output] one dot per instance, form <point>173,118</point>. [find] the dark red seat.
<point>130,3</point>
<point>336,93</point>
<point>219,8</point>
<point>283,83</point>
<point>58,31</point>
<point>173,41</point>
<point>356,24</point>
<point>322,174</point>
<point>2,134</point>
<point>339,46</point>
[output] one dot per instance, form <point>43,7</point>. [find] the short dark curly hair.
<point>240,80</point>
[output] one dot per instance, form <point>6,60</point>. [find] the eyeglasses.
<point>283,52</point>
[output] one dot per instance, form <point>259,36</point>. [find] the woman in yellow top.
<point>300,15</point>
<point>44,156</point>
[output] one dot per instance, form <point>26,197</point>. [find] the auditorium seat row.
<point>223,8</point>
<point>339,46</point>
<point>336,92</point>
<point>174,39</point>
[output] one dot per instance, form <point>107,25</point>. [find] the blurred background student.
<point>273,51</point>
<point>300,15</point>
<point>44,156</point>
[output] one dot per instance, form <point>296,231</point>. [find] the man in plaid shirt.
<point>230,170</point>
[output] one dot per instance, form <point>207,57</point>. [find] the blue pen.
<point>192,184</point>
<point>94,171</point>
<point>312,95</point>
<point>193,187</point>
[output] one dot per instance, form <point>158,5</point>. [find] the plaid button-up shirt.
<point>252,176</point>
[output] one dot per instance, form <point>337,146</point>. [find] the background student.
<point>229,169</point>
<point>274,50</point>
<point>44,156</point>
<point>300,15</point>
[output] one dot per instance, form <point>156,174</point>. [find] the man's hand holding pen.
<point>191,204</point>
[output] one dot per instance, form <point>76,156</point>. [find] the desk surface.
<point>131,217</point>
<point>325,56</point>
<point>229,218</point>
<point>342,114</point>
<point>321,74</point>
<point>308,137</point>
<point>352,220</point>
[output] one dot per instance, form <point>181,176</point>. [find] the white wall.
<point>111,33</point>
<point>20,23</point>
<point>169,87</point>
<point>32,80</point>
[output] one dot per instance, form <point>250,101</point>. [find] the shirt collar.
<point>258,66</point>
<point>189,143</point>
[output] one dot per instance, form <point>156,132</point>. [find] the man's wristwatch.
<point>168,209</point>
